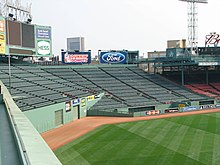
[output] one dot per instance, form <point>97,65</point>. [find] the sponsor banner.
<point>217,106</point>
<point>153,112</point>
<point>171,110</point>
<point>76,57</point>
<point>76,101</point>
<point>190,108</point>
<point>113,57</point>
<point>68,106</point>
<point>43,47</point>
<point>83,102</point>
<point>90,98</point>
<point>43,33</point>
<point>207,106</point>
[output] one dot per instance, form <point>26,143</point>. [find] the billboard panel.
<point>43,47</point>
<point>28,39</point>
<point>43,40</point>
<point>43,33</point>
<point>113,57</point>
<point>76,57</point>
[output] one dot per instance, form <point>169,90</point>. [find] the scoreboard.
<point>23,39</point>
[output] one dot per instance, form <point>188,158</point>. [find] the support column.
<point>182,75</point>
<point>154,68</point>
<point>207,75</point>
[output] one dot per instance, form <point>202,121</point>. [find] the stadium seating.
<point>125,86</point>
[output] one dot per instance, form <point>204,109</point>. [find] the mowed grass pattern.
<point>188,140</point>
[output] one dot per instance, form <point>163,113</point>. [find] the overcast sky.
<point>122,24</point>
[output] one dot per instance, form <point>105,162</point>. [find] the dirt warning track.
<point>60,136</point>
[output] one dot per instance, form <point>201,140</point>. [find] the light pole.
<point>9,56</point>
<point>193,24</point>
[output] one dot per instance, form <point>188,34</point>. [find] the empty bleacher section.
<point>125,86</point>
<point>32,87</point>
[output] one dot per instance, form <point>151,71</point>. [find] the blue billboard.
<point>76,57</point>
<point>113,57</point>
<point>43,32</point>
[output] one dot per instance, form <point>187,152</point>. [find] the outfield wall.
<point>178,107</point>
<point>45,118</point>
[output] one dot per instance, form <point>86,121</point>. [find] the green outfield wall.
<point>44,118</point>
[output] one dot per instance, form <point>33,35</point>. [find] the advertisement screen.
<point>76,57</point>
<point>28,36</point>
<point>113,57</point>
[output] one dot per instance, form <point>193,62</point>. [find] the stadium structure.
<point>37,98</point>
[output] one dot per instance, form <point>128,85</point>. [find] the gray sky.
<point>121,24</point>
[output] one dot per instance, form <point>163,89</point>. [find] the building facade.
<point>76,44</point>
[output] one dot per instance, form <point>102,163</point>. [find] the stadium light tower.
<point>193,23</point>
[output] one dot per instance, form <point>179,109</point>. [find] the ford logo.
<point>113,57</point>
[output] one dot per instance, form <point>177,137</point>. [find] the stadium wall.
<point>117,112</point>
<point>174,108</point>
<point>44,118</point>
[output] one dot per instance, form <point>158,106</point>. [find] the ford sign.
<point>113,57</point>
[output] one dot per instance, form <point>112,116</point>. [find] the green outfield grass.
<point>188,140</point>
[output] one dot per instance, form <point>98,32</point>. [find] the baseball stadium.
<point>121,109</point>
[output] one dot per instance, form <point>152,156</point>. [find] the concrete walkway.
<point>8,148</point>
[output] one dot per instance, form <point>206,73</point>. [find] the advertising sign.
<point>113,57</point>
<point>172,110</point>
<point>2,26</point>
<point>43,40</point>
<point>208,63</point>
<point>68,106</point>
<point>90,98</point>
<point>83,102</point>
<point>76,101</point>
<point>43,33</point>
<point>76,57</point>
<point>43,47</point>
<point>153,112</point>
<point>190,108</point>
<point>207,107</point>
<point>217,106</point>
<point>212,39</point>
<point>2,36</point>
<point>2,44</point>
